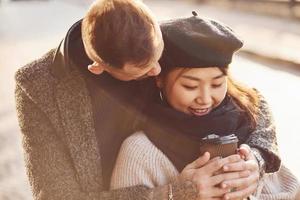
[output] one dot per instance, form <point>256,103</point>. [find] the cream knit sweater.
<point>140,162</point>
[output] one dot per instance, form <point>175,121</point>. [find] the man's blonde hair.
<point>116,32</point>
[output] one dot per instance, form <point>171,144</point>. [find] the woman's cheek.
<point>187,98</point>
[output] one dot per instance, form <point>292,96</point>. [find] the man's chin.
<point>142,77</point>
<point>126,78</point>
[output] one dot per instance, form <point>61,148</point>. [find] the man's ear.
<point>96,68</point>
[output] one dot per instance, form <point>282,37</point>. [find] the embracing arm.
<point>264,138</point>
<point>50,168</point>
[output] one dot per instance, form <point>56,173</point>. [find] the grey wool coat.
<point>62,156</point>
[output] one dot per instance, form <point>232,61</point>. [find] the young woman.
<point>196,96</point>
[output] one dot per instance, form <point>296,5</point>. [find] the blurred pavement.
<point>29,29</point>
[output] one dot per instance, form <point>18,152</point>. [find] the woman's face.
<point>194,91</point>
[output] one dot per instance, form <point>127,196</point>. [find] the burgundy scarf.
<point>178,135</point>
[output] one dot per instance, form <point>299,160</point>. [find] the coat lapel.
<point>76,117</point>
<point>64,98</point>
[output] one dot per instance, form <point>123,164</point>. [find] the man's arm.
<point>264,137</point>
<point>50,169</point>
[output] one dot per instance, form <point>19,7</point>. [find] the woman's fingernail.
<point>224,185</point>
<point>225,168</point>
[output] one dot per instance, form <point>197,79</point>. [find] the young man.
<point>73,121</point>
<point>123,39</point>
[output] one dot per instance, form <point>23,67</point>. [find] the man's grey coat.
<point>61,152</point>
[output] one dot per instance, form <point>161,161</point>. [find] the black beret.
<point>197,42</point>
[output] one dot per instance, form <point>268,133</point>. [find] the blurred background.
<point>269,61</point>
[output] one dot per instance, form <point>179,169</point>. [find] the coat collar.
<point>62,64</point>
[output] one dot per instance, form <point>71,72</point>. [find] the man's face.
<point>132,72</point>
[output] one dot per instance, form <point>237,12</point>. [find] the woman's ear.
<point>159,81</point>
<point>96,68</point>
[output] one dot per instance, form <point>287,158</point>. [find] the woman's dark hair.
<point>247,98</point>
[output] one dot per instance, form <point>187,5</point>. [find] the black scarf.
<point>178,135</point>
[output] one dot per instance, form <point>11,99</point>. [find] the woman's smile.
<point>199,112</point>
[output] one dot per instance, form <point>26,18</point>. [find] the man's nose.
<point>154,71</point>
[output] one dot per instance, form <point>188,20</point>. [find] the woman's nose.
<point>204,98</point>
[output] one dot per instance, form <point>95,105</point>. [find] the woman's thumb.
<point>244,151</point>
<point>199,162</point>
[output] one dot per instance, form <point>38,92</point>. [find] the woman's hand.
<point>246,186</point>
<point>202,172</point>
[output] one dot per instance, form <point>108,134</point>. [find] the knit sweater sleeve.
<point>264,137</point>
<point>141,163</point>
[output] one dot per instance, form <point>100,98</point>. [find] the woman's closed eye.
<point>217,85</point>
<point>190,87</point>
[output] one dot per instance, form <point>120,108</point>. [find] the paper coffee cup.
<point>216,145</point>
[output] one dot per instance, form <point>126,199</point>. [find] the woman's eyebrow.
<point>191,77</point>
<point>198,79</point>
<point>219,76</point>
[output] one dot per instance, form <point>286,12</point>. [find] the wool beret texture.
<point>198,42</point>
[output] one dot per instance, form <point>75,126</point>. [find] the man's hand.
<point>243,187</point>
<point>202,172</point>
